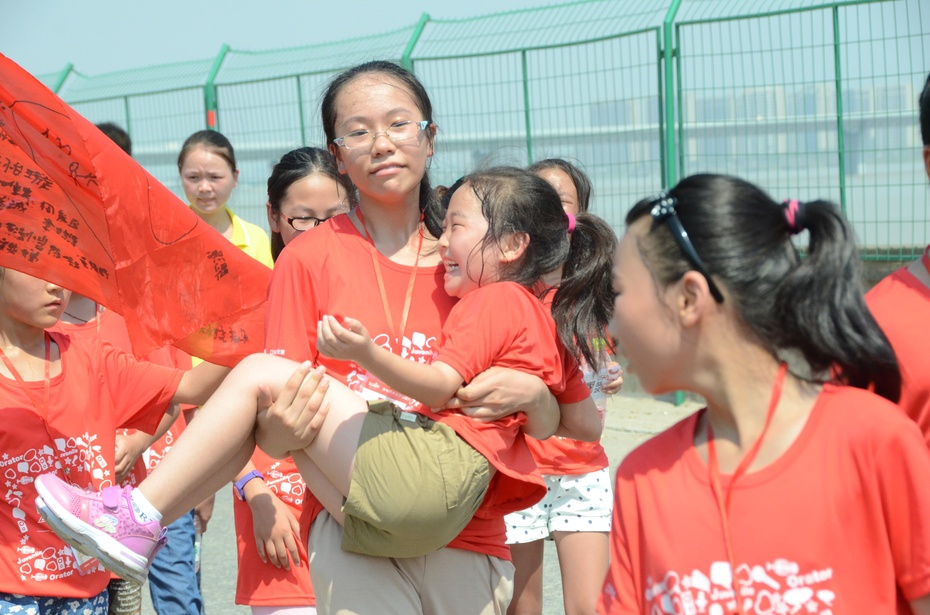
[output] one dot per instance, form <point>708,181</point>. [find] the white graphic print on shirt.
<point>778,587</point>
<point>417,348</point>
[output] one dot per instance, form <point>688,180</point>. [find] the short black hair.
<point>117,135</point>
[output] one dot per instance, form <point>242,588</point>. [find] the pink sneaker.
<point>101,524</point>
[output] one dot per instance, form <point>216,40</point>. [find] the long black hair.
<point>518,201</point>
<point>813,305</point>
<point>428,205</point>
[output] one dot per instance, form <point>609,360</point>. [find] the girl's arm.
<point>198,384</point>
<point>130,446</point>
<point>431,384</point>
<point>498,392</point>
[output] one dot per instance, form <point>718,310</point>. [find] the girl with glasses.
<point>379,262</point>
<point>800,487</point>
<point>304,190</point>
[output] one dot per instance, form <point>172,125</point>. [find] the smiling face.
<point>316,195</point>
<point>29,301</point>
<point>208,181</point>
<point>468,264</point>
<point>384,171</point>
<point>643,321</point>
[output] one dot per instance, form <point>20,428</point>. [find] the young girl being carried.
<point>401,483</point>
<point>791,491</point>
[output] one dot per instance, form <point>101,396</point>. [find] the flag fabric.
<point>77,211</point>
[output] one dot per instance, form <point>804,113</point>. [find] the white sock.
<point>142,508</point>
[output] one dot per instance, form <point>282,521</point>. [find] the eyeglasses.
<point>663,210</point>
<point>396,132</point>
<point>305,223</point>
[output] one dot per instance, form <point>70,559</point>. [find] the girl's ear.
<point>429,141</point>
<point>513,246</point>
<point>693,297</point>
<point>235,178</point>
<point>340,166</point>
<point>272,219</point>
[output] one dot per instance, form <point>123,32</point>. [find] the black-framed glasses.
<point>305,223</point>
<point>663,210</point>
<point>396,132</point>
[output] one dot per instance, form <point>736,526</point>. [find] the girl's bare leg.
<point>583,561</point>
<point>218,442</point>
<point>321,487</point>
<point>527,578</point>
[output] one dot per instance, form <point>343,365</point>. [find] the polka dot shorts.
<point>573,503</point>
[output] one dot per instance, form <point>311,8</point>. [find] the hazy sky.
<point>100,36</point>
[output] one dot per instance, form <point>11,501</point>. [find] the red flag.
<point>77,211</point>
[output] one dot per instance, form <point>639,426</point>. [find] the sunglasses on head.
<point>663,211</point>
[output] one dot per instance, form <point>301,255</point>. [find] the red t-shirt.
<point>901,305</point>
<point>522,336</point>
<point>110,327</point>
<point>328,270</point>
<point>99,389</point>
<point>260,583</point>
<point>564,456</point>
<point>839,523</point>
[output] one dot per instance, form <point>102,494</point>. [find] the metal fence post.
<point>672,153</point>
<point>406,60</point>
<point>840,130</point>
<point>526,110</point>
<point>209,90</point>
<point>60,81</point>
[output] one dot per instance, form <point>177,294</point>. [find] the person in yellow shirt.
<point>207,164</point>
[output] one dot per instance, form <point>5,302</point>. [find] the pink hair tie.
<point>791,215</point>
<point>571,222</point>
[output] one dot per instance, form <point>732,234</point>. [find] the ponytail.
<point>814,305</point>
<point>583,302</point>
<point>824,310</point>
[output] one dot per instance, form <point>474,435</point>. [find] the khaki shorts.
<point>415,486</point>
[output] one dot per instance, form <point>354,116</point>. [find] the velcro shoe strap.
<point>110,497</point>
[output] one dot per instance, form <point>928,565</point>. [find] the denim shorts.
<point>15,604</point>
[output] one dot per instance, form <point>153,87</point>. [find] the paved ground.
<point>631,419</point>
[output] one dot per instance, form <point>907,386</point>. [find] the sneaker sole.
<point>91,541</point>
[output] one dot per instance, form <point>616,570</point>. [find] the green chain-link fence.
<point>806,98</point>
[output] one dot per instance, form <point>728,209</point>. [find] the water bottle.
<point>198,540</point>
<point>596,379</point>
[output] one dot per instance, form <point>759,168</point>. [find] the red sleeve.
<point>141,391</point>
<point>292,314</point>
<point>619,595</point>
<point>575,388</point>
<point>903,464</point>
